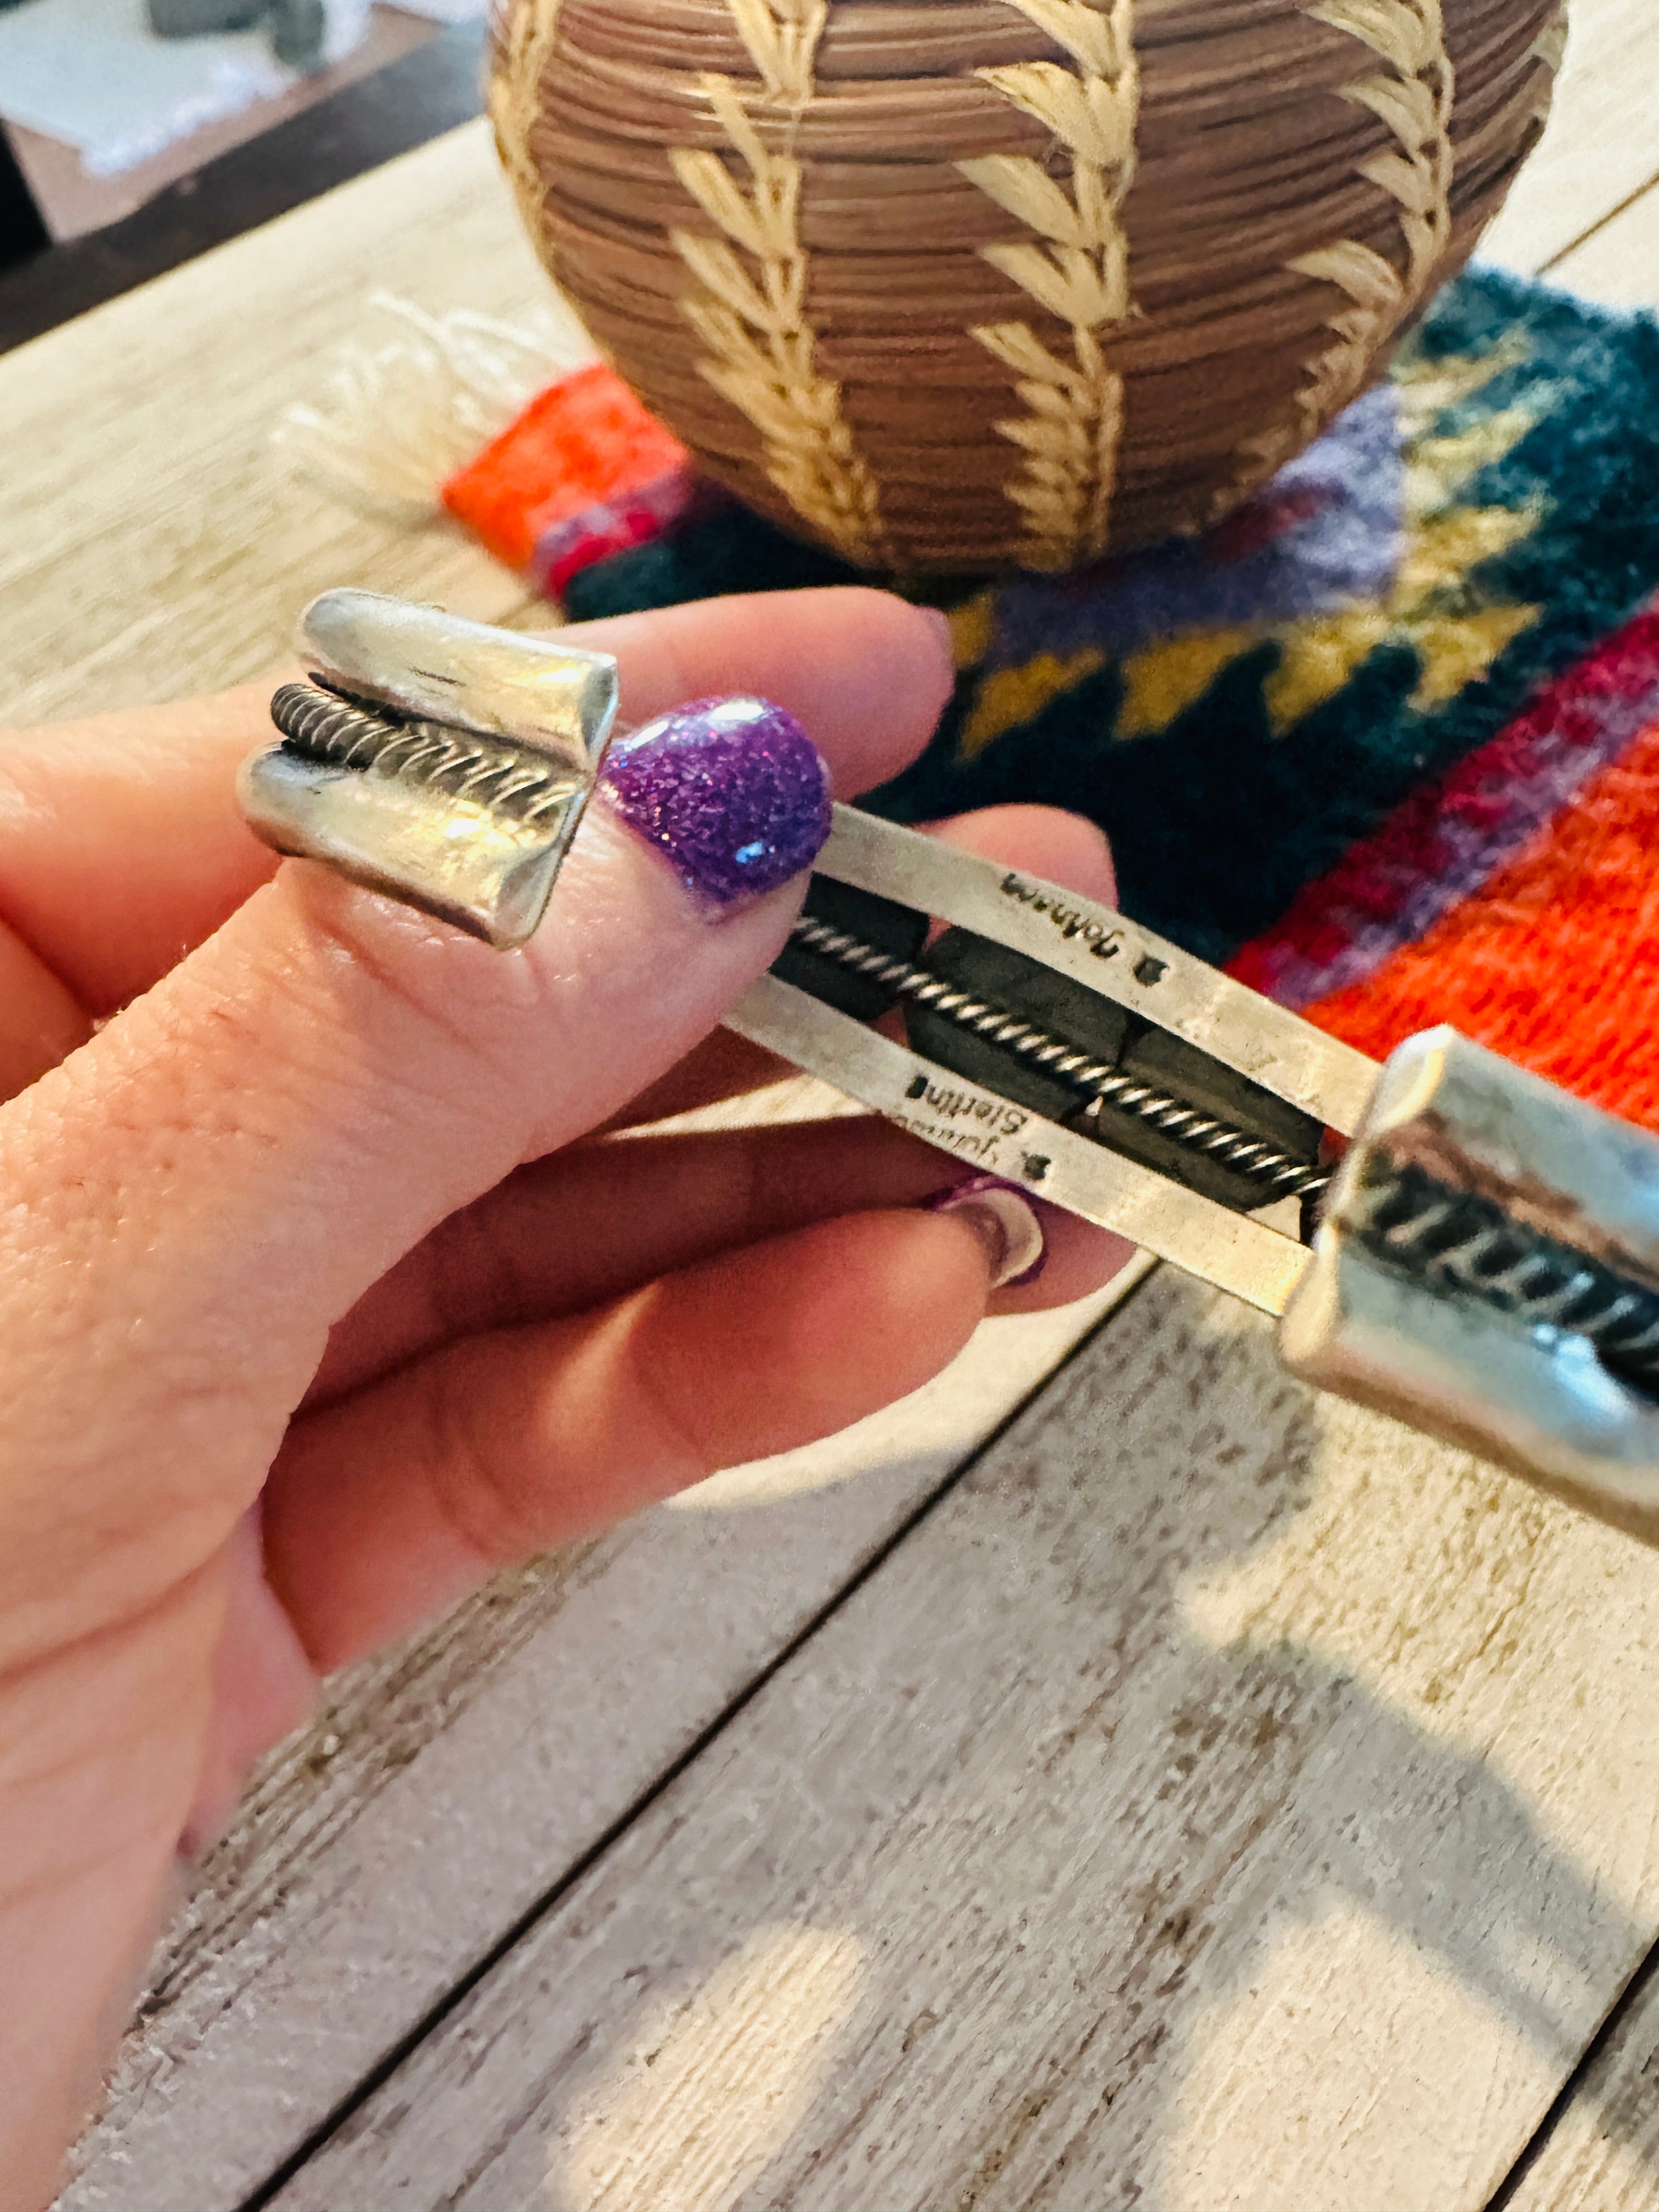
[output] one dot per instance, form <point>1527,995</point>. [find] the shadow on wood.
<point>1193,1727</point>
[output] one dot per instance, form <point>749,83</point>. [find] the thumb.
<point>193,1198</point>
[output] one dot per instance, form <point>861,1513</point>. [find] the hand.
<point>316,1309</point>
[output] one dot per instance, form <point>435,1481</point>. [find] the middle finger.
<point>593,1223</point>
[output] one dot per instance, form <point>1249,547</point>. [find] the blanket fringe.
<point>397,419</point>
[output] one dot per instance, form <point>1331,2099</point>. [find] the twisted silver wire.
<point>1279,1175</point>
<point>1459,1241</point>
<point>1455,1242</point>
<point>325,728</point>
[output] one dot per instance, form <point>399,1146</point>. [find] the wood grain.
<point>1226,1799</point>
<point>1602,2152</point>
<point>162,548</point>
<point>151,541</point>
<point>1354,1749</point>
<point>1602,145</point>
<point>1618,262</point>
<point>453,1782</point>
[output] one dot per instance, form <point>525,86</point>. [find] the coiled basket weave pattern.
<point>961,285</point>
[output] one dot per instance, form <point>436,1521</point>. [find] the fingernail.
<point>733,791</point>
<point>1004,1217</point>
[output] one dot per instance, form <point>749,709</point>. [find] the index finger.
<point>121,848</point>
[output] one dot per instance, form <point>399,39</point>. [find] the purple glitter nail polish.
<point>731,790</point>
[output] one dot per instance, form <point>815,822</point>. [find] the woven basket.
<point>962,285</point>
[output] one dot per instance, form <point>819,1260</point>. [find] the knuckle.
<point>449,1026</point>
<point>453,985</point>
<point>683,1420</point>
<point>474,1274</point>
<point>486,1480</point>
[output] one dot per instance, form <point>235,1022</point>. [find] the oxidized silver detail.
<point>1236,1252</point>
<point>1464,1245</point>
<point>322,726</point>
<point>436,760</point>
<point>1487,1265</point>
<point>1235,1027</point>
<point>1279,1175</point>
<point>1487,1268</point>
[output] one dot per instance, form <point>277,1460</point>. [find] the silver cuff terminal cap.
<point>437,760</point>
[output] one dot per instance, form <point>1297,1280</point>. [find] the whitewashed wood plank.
<point>1338,1939</point>
<point>1603,143</point>
<point>1225,1800</point>
<point>151,541</point>
<point>1618,265</point>
<point>1602,2152</point>
<point>450,1784</point>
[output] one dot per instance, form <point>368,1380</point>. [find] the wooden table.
<point>1114,1778</point>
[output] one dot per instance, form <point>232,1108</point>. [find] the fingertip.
<point>930,1277</point>
<point>731,792</point>
<point>866,674</point>
<point>839,1318</point>
<point>907,680</point>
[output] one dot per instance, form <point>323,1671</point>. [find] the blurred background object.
<point>176,81</point>
<point>304,34</point>
<point>202,119</point>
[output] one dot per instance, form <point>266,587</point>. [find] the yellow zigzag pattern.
<point>1456,644</point>
<point>1320,653</point>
